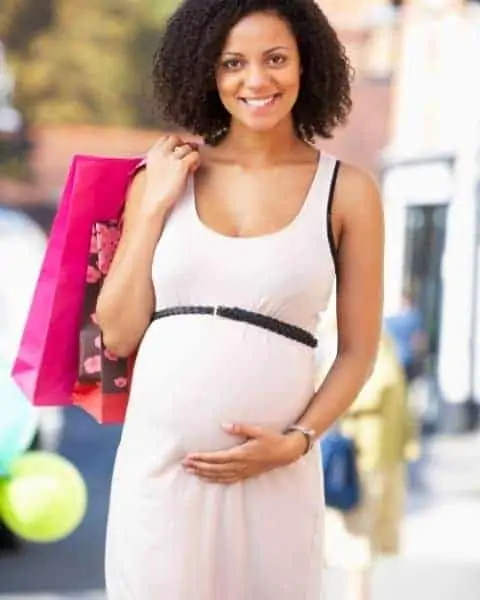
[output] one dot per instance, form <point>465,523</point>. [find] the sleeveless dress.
<point>171,535</point>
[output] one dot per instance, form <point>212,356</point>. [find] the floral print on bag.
<point>108,237</point>
<point>97,364</point>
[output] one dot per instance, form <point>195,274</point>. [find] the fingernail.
<point>228,426</point>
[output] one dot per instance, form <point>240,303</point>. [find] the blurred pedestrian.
<point>228,255</point>
<point>385,436</point>
<point>409,336</point>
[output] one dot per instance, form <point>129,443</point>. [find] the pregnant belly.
<point>194,374</point>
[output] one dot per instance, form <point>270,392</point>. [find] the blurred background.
<point>74,78</point>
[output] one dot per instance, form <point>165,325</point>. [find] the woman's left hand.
<point>263,451</point>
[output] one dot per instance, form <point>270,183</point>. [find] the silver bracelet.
<point>309,434</point>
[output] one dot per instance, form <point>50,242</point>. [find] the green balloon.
<point>44,499</point>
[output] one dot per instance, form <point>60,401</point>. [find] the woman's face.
<point>258,73</point>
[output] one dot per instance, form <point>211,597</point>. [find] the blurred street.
<point>440,561</point>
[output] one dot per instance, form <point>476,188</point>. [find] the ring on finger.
<point>181,151</point>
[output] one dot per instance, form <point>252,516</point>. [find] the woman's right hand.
<point>168,164</point>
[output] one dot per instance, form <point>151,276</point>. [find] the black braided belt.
<point>239,314</point>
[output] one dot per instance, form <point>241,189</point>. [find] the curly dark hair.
<point>185,63</point>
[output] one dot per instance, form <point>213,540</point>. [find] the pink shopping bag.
<point>46,366</point>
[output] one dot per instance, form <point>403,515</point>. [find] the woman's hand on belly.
<point>263,451</point>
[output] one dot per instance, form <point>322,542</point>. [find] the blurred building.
<point>432,197</point>
<point>419,51</point>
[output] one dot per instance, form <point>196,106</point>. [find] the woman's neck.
<point>258,149</point>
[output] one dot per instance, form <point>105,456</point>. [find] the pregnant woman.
<point>228,257</point>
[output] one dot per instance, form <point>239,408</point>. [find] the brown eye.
<point>232,64</point>
<point>277,60</point>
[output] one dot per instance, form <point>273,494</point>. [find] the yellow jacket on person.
<point>379,419</point>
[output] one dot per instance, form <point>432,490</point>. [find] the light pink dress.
<point>172,536</point>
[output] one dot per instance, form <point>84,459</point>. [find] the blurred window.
<point>424,247</point>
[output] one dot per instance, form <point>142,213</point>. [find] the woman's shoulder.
<point>354,180</point>
<point>357,192</point>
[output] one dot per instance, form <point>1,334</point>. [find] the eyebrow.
<point>269,51</point>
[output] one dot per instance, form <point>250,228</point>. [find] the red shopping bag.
<point>46,367</point>
<point>103,380</point>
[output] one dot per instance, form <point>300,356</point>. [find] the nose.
<point>256,77</point>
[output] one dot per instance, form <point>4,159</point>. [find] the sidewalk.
<point>440,557</point>
<point>443,520</point>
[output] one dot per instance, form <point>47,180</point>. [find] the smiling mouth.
<point>260,102</point>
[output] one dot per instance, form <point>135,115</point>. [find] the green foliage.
<point>13,159</point>
<point>22,20</point>
<point>83,62</point>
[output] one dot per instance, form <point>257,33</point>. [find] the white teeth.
<point>259,102</point>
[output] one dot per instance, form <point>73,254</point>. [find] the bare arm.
<point>126,302</point>
<point>358,214</point>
